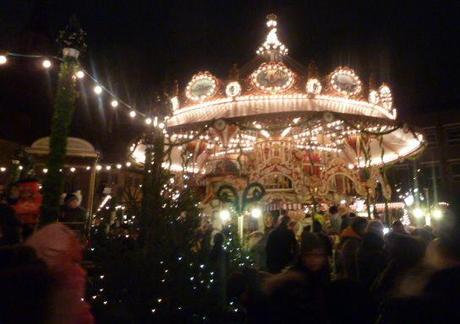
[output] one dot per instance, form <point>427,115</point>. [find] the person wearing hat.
<point>73,215</point>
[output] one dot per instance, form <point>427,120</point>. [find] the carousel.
<point>297,139</point>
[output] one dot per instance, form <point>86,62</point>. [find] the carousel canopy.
<point>332,115</point>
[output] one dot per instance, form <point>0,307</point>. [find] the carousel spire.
<point>272,48</point>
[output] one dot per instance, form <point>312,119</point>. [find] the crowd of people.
<point>41,279</point>
<point>351,272</point>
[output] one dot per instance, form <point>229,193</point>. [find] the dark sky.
<point>133,46</point>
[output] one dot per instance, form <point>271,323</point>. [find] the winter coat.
<point>74,218</point>
<point>9,226</point>
<point>349,245</point>
<point>370,258</point>
<point>281,249</point>
<point>297,295</point>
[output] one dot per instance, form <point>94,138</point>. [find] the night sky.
<point>134,46</point>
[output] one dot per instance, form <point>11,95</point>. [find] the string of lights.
<point>99,88</point>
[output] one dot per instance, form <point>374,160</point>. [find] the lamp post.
<point>251,194</point>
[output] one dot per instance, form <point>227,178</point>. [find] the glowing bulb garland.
<point>79,74</point>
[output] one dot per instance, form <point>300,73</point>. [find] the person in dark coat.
<point>350,241</point>
<point>72,215</point>
<point>10,226</point>
<point>433,294</point>
<point>281,247</point>
<point>300,292</point>
<point>370,258</point>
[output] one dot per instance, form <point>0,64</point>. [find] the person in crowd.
<point>42,281</point>
<point>62,252</point>
<point>26,285</point>
<point>370,257</point>
<point>281,247</point>
<point>375,227</point>
<point>27,207</point>
<point>347,219</point>
<point>301,291</point>
<point>73,215</point>
<point>335,219</point>
<point>404,253</point>
<point>245,289</point>
<point>398,228</point>
<point>431,294</point>
<point>350,241</point>
<point>423,234</point>
<point>9,225</point>
<point>257,242</point>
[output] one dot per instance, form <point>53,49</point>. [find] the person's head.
<point>376,227</point>
<point>333,210</point>
<point>398,227</point>
<point>317,227</point>
<point>423,235</point>
<point>359,225</point>
<point>28,188</point>
<point>405,250</point>
<point>313,251</point>
<point>71,201</point>
<point>352,215</point>
<point>283,221</point>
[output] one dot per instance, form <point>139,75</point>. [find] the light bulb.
<point>97,89</point>
<point>418,213</point>
<point>437,213</point>
<point>224,215</point>
<point>148,121</point>
<point>46,63</point>
<point>3,59</point>
<point>256,212</point>
<point>72,169</point>
<point>80,74</point>
<point>114,103</point>
<point>132,114</point>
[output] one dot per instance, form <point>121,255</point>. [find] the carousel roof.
<point>276,100</point>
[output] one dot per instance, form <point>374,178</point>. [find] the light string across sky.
<point>99,89</point>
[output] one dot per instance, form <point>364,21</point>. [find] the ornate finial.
<point>272,47</point>
<point>175,90</point>
<point>312,70</point>
<point>72,38</point>
<point>234,73</point>
<point>372,82</point>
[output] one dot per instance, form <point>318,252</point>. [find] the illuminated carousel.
<point>307,139</point>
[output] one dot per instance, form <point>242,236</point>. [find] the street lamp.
<point>251,195</point>
<point>418,212</point>
<point>224,215</point>
<point>437,213</point>
<point>256,212</point>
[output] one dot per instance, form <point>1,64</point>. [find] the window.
<point>431,136</point>
<point>453,135</point>
<point>455,170</point>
